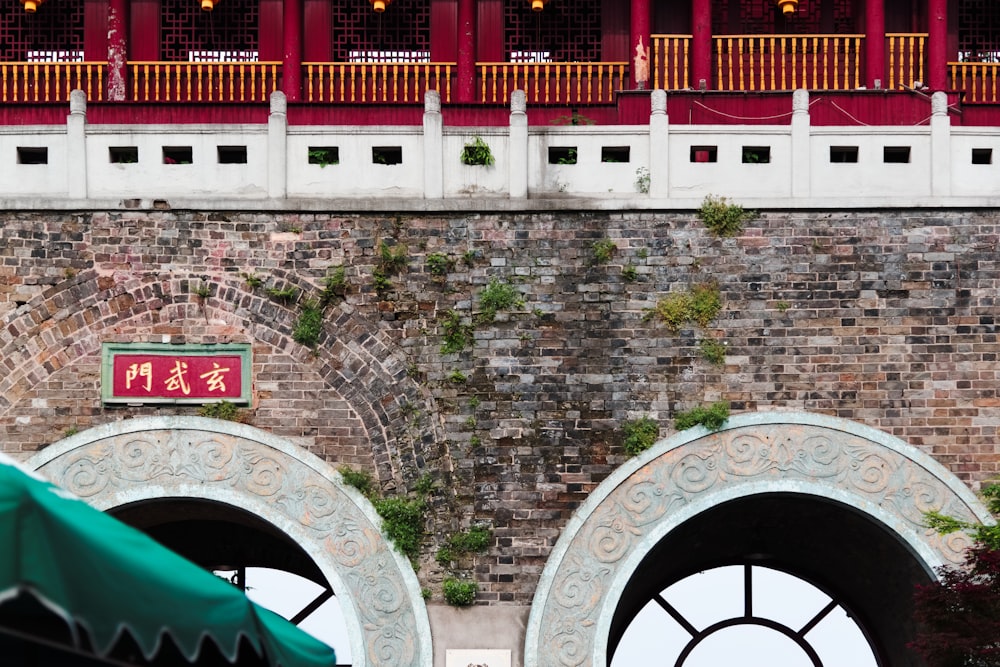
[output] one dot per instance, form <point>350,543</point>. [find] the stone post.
<point>433,146</point>
<point>277,147</point>
<point>659,146</point>
<point>801,154</point>
<point>518,145</point>
<point>940,145</point>
<point>76,145</point>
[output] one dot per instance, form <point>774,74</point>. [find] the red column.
<point>466,76</point>
<point>937,44</point>
<point>701,43</point>
<point>117,49</point>
<point>875,42</point>
<point>291,61</point>
<point>639,29</point>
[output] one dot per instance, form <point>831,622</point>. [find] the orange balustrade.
<point>671,61</point>
<point>553,83</point>
<point>399,82</point>
<point>787,62</point>
<point>905,58</point>
<point>977,80</point>
<point>203,82</point>
<point>50,82</point>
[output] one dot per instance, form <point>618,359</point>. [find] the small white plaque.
<point>477,657</point>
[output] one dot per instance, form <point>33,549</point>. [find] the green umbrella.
<point>94,571</point>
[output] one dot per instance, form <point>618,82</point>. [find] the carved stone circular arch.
<point>195,457</point>
<point>760,453</point>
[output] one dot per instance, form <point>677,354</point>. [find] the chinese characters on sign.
<point>177,376</point>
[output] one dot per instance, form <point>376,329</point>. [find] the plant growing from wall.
<point>629,273</point>
<point>497,295</point>
<point>700,304</point>
<point>285,295</point>
<point>711,417</point>
<point>359,479</point>
<point>640,435</point>
<point>403,518</point>
<point>474,540</point>
<point>390,262</point>
<point>477,152</point>
<point>723,218</point>
<point>601,251</point>
<point>642,180</point>
<point>459,593</point>
<point>334,287</point>
<point>309,325</point>
<point>224,410</point>
<point>457,334</point>
<point>252,280</point>
<point>203,290</point>
<point>713,351</point>
<point>323,156</point>
<point>439,265</point>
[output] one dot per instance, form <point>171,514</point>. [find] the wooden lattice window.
<point>402,33</point>
<point>228,33</point>
<point>756,17</point>
<point>565,31</point>
<point>979,31</point>
<point>54,33</point>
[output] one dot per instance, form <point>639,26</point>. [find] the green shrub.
<point>334,287</point>
<point>497,296</point>
<point>285,295</point>
<point>477,152</point>
<point>701,304</point>
<point>712,417</point>
<point>602,251</point>
<point>309,325</point>
<point>459,593</point>
<point>457,335</point>
<point>359,479</point>
<point>438,264</point>
<point>223,410</point>
<point>403,523</point>
<point>713,351</point>
<point>640,434</point>
<point>722,218</point>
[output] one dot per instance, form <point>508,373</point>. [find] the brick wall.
<point>882,317</point>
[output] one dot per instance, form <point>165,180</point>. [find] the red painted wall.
<point>144,36</point>
<point>490,34</point>
<point>269,35</point>
<point>95,30</point>
<point>444,31</point>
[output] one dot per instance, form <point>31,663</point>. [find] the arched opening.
<point>252,554</point>
<point>229,495</point>
<point>835,504</point>
<point>808,577</point>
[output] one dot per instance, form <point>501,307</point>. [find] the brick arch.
<point>69,321</point>
<point>883,478</point>
<point>194,457</point>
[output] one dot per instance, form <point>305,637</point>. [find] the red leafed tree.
<point>958,617</point>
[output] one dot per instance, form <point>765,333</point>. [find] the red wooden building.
<point>355,62</point>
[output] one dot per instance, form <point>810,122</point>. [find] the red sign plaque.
<point>175,373</point>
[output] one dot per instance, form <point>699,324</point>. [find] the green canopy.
<point>108,578</point>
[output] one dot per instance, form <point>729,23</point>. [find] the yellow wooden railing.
<point>977,80</point>
<point>905,58</point>
<point>671,62</point>
<point>553,83</point>
<point>203,82</point>
<point>787,62</point>
<point>376,82</point>
<point>50,82</point>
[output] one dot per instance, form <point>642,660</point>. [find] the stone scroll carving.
<point>812,454</point>
<point>180,456</point>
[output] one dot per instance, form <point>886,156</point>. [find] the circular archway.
<point>290,495</point>
<point>770,485</point>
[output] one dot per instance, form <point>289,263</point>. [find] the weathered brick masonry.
<point>882,317</point>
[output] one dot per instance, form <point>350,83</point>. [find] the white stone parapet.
<point>657,165</point>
